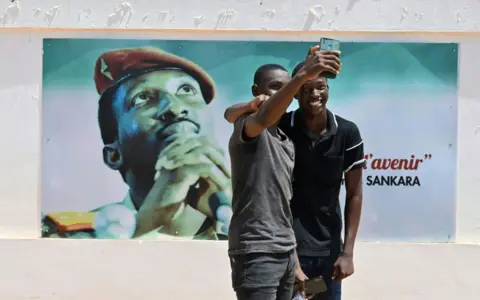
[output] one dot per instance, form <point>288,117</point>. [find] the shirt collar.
<point>332,124</point>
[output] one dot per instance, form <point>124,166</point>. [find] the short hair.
<point>264,69</point>
<point>107,120</point>
<point>297,68</point>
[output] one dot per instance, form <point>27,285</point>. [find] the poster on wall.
<point>109,167</point>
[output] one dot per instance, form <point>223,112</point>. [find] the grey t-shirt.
<point>262,169</point>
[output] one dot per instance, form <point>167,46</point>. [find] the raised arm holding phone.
<point>261,237</point>
<point>328,147</point>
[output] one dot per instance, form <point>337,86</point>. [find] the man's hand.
<point>199,156</point>
<point>256,102</point>
<point>318,62</point>
<point>343,267</point>
<point>237,110</point>
<point>300,279</point>
<point>194,160</point>
<point>188,171</point>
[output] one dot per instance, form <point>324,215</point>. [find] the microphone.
<point>219,204</point>
<point>114,221</point>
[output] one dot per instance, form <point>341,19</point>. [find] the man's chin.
<point>315,107</point>
<point>320,110</point>
<point>168,133</point>
<point>317,110</point>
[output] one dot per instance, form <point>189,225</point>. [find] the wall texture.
<point>344,15</point>
<point>62,269</point>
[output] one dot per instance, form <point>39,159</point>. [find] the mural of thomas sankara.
<point>178,184</point>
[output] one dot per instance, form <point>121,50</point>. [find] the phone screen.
<point>329,44</point>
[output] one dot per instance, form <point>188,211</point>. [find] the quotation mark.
<point>428,156</point>
<point>367,157</point>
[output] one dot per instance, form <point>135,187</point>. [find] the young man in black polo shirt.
<point>261,238</point>
<point>327,147</point>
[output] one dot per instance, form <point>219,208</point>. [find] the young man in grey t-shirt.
<point>261,238</point>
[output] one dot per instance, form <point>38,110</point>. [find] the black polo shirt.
<point>320,163</point>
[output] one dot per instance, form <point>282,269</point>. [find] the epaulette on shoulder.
<point>72,221</point>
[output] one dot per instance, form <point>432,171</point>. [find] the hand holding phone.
<point>330,45</point>
<point>315,286</point>
<point>311,287</point>
<point>319,62</point>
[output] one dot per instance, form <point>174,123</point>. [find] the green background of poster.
<point>403,96</point>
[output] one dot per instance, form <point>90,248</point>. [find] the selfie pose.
<point>328,148</point>
<point>261,237</point>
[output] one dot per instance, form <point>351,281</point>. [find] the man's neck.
<point>139,190</point>
<point>316,123</point>
<point>137,199</point>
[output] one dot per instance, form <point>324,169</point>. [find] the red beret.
<point>113,66</point>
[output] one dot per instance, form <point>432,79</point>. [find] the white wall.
<point>93,269</point>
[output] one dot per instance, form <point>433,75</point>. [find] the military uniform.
<point>68,225</point>
<point>111,69</point>
<point>80,225</point>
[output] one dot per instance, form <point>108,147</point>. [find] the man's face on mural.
<point>151,108</point>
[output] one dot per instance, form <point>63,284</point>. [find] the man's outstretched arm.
<point>237,110</point>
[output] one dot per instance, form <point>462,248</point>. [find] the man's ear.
<point>255,92</point>
<point>112,156</point>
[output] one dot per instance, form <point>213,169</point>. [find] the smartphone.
<point>332,45</point>
<point>315,286</point>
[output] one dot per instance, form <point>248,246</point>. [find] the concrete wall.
<point>92,269</point>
